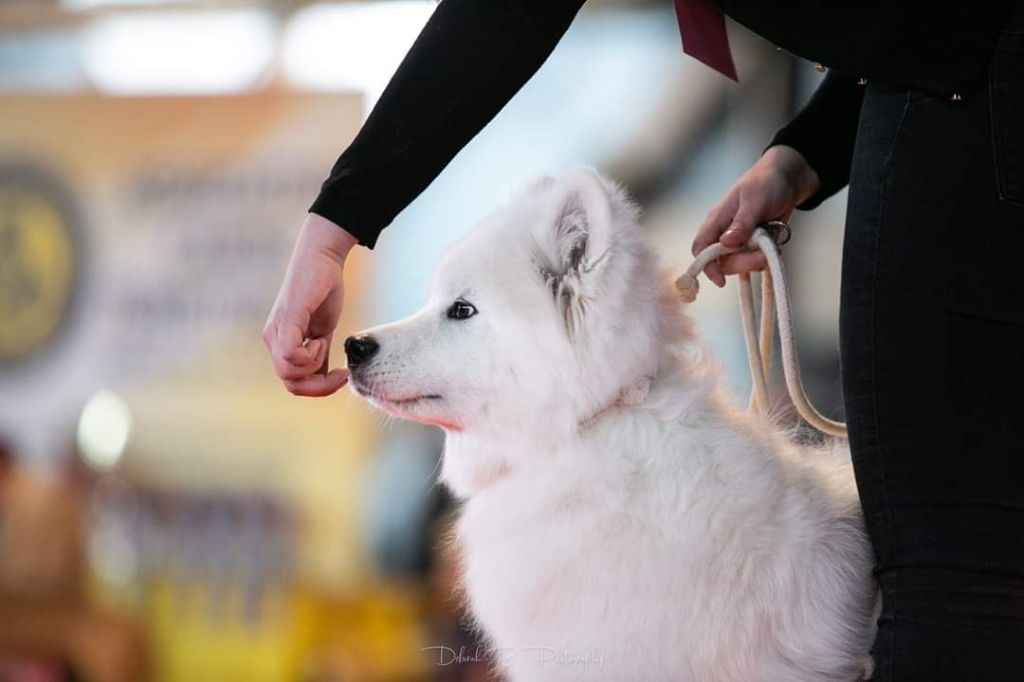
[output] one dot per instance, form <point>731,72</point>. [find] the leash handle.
<point>774,303</point>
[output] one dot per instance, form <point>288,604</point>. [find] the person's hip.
<point>937,191</point>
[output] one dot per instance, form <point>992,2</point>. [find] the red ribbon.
<point>702,29</point>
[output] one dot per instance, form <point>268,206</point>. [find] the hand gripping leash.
<point>774,301</point>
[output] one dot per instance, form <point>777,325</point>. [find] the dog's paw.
<point>868,662</point>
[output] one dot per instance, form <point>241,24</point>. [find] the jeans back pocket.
<point>1006,93</point>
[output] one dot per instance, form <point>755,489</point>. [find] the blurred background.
<point>167,510</point>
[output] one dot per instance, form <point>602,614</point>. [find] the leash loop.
<point>775,303</point>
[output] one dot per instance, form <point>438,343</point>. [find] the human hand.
<point>772,188</point>
<point>303,318</point>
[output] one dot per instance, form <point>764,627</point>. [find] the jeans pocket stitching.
<point>885,184</point>
<point>1009,192</point>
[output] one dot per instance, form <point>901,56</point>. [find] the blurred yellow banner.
<point>143,241</point>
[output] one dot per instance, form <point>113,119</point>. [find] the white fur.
<point>665,536</point>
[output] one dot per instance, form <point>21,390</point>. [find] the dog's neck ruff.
<point>632,395</point>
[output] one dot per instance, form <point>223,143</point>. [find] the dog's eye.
<point>461,310</point>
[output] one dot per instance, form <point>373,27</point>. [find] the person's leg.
<point>932,342</point>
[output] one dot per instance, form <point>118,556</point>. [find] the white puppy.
<point>622,521</point>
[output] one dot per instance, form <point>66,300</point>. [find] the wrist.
<point>792,164</point>
<point>327,237</point>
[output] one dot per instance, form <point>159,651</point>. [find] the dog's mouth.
<point>406,401</point>
<point>413,407</point>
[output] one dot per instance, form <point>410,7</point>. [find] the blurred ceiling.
<point>29,14</point>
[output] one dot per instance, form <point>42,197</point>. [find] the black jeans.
<point>932,351</point>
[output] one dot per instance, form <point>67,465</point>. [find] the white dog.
<point>622,521</point>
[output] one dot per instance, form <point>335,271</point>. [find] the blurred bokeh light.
<point>103,430</point>
<point>209,52</point>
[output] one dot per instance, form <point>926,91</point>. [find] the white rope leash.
<point>774,300</point>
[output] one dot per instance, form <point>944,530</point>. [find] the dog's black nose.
<point>359,349</point>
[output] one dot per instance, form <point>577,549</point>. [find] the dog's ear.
<point>539,184</point>
<point>574,239</point>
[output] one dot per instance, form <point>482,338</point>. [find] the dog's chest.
<point>530,562</point>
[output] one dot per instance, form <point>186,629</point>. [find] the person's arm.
<point>824,132</point>
<point>470,59</point>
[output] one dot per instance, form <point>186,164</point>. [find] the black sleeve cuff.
<point>824,132</point>
<point>361,205</point>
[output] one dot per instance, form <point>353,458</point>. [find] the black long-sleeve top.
<point>474,55</point>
